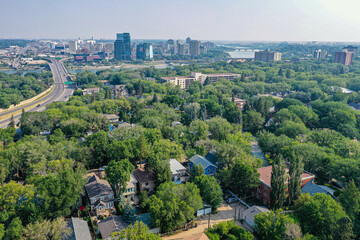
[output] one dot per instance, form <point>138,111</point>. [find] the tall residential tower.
<point>122,47</point>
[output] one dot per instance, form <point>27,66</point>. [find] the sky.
<point>233,20</point>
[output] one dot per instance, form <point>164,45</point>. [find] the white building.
<point>73,46</point>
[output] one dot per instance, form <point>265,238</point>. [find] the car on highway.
<point>231,200</point>
<point>38,105</point>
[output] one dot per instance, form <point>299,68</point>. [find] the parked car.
<point>231,200</point>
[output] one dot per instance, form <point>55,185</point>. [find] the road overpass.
<point>60,92</point>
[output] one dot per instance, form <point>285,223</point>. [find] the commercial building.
<point>73,46</point>
<point>181,49</point>
<point>264,189</point>
<point>267,56</point>
<point>194,47</point>
<point>351,49</point>
<point>320,54</point>
<point>185,81</point>
<point>144,51</point>
<point>122,47</point>
<point>343,58</point>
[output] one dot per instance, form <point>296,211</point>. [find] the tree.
<point>253,121</point>
<point>210,191</point>
<point>137,231</point>
<point>240,178</point>
<point>291,129</point>
<point>15,230</point>
<point>2,231</point>
<point>196,171</point>
<point>203,112</point>
<point>350,201</point>
<point>294,179</point>
<point>278,187</point>
<point>155,98</point>
<point>129,214</point>
<point>12,122</point>
<point>118,174</point>
<point>228,230</point>
<point>219,128</point>
<point>280,73</point>
<point>323,217</point>
<point>288,73</point>
<point>46,229</point>
<point>174,205</point>
<point>271,225</point>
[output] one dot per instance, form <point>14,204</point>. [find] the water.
<point>241,52</point>
<point>15,71</point>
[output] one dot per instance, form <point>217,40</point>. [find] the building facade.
<point>144,51</point>
<point>194,47</point>
<point>320,54</point>
<point>122,47</point>
<point>344,58</point>
<point>267,56</point>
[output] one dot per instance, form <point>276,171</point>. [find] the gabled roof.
<point>197,159</point>
<point>253,211</point>
<point>79,230</point>
<point>131,183</point>
<point>265,174</point>
<point>313,188</point>
<point>144,176</point>
<point>210,156</point>
<point>110,225</point>
<point>96,187</point>
<point>175,166</point>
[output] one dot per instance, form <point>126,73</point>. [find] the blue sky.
<point>242,20</point>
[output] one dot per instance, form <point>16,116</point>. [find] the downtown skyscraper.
<point>122,47</point>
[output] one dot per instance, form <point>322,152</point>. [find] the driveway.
<point>226,212</point>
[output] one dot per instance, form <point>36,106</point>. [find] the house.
<point>79,230</point>
<point>313,188</point>
<point>101,196</point>
<point>110,225</point>
<point>211,157</point>
<point>264,189</point>
<point>209,168</point>
<point>120,91</point>
<point>90,91</point>
<point>131,188</point>
<point>125,125</point>
<point>200,236</point>
<point>249,214</point>
<point>113,118</point>
<point>240,103</point>
<point>179,174</point>
<point>146,179</point>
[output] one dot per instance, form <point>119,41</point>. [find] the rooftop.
<point>175,166</point>
<point>131,183</point>
<point>79,230</point>
<point>265,174</point>
<point>313,188</point>
<point>97,186</point>
<point>197,159</point>
<point>253,211</point>
<point>110,225</point>
<point>144,176</point>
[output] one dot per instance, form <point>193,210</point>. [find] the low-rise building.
<point>113,118</point>
<point>90,91</point>
<point>131,188</point>
<point>79,230</point>
<point>209,168</point>
<point>146,179</point>
<point>264,189</point>
<point>249,214</point>
<point>179,174</point>
<point>313,188</point>
<point>101,196</point>
<point>110,225</point>
<point>240,103</point>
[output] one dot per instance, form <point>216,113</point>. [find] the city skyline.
<point>233,20</point>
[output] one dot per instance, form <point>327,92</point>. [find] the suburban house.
<point>211,157</point>
<point>249,214</point>
<point>113,118</point>
<point>209,168</point>
<point>179,174</point>
<point>90,91</point>
<point>313,188</point>
<point>264,189</point>
<point>240,103</point>
<point>79,230</point>
<point>110,225</point>
<point>146,179</point>
<point>101,196</point>
<point>131,188</point>
<point>119,91</point>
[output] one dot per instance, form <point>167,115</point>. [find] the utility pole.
<point>209,220</point>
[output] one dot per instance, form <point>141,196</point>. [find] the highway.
<point>61,92</point>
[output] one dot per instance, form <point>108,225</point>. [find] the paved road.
<point>61,92</point>
<point>16,62</point>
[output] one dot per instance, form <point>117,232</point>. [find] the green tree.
<point>118,174</point>
<point>291,129</point>
<point>210,190</point>
<point>253,121</point>
<point>43,230</point>
<point>129,214</point>
<point>219,128</point>
<point>278,187</point>
<point>271,225</point>
<point>288,73</point>
<point>350,201</point>
<point>155,98</point>
<point>196,171</point>
<point>15,230</point>
<point>12,122</point>
<point>228,230</point>
<point>294,179</point>
<point>137,231</point>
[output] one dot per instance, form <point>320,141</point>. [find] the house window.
<point>102,198</point>
<point>146,184</point>
<point>208,170</point>
<point>100,208</point>
<point>93,200</point>
<point>266,188</point>
<point>110,196</point>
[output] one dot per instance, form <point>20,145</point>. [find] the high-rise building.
<point>122,47</point>
<point>267,56</point>
<point>144,51</point>
<point>320,54</point>
<point>343,58</point>
<point>109,47</point>
<point>73,46</point>
<point>188,40</point>
<point>194,47</point>
<point>351,49</point>
<point>208,45</point>
<point>181,49</point>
